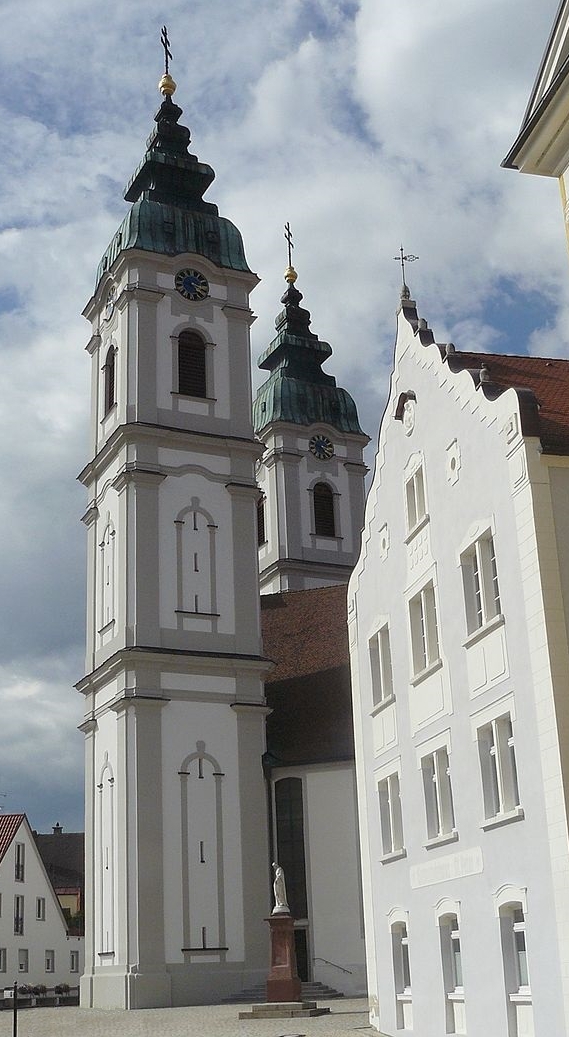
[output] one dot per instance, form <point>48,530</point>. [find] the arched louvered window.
<point>109,379</point>
<point>261,534</point>
<point>192,379</point>
<point>324,524</point>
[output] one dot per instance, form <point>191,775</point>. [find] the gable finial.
<point>166,85</point>
<point>402,258</point>
<point>290,274</point>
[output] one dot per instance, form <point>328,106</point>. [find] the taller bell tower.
<point>176,868</point>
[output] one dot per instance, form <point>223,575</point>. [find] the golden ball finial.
<point>167,85</point>
<point>290,275</point>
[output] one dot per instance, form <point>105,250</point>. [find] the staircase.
<point>258,995</point>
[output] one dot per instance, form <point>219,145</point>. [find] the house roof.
<point>309,692</point>
<point>305,631</point>
<point>547,414</point>
<point>63,855</point>
<point>9,824</point>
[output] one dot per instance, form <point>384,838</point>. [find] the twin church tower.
<point>188,502</point>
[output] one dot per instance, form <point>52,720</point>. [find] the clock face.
<point>321,447</point>
<point>191,284</point>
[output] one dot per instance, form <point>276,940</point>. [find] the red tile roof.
<point>547,379</point>
<point>9,824</point>
<point>306,631</point>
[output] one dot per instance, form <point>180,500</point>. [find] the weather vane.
<point>167,52</point>
<point>290,246</point>
<point>402,258</point>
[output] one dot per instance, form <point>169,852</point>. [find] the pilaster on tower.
<point>176,854</point>
<point>312,472</point>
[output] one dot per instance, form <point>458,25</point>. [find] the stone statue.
<point>281,906</point>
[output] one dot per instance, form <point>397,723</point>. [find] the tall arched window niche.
<point>109,380</point>
<point>107,575</point>
<point>105,862</point>
<point>201,819</point>
<point>196,561</point>
<point>192,365</point>
<point>323,510</point>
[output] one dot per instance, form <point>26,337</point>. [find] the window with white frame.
<point>20,851</point>
<point>415,498</point>
<point>438,793</point>
<point>424,632</point>
<point>18,915</point>
<point>390,817</point>
<point>498,767</point>
<point>40,909</point>
<point>480,578</point>
<point>401,965</point>
<point>50,961</point>
<point>380,662</point>
<point>515,962</point>
<point>74,961</point>
<point>3,959</point>
<point>22,960</point>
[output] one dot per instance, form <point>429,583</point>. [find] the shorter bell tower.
<point>312,472</point>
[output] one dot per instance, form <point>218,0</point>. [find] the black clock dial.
<point>321,447</point>
<point>191,284</point>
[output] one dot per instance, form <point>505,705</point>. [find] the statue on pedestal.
<point>279,889</point>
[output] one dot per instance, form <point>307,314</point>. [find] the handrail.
<point>334,965</point>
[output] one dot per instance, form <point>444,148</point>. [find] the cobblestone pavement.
<point>348,1016</point>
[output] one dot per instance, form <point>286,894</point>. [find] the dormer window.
<point>192,379</point>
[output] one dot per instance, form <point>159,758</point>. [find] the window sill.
<point>441,840</point>
<point>423,674</point>
<point>417,528</point>
<point>456,995</point>
<point>405,995</point>
<point>492,624</point>
<point>186,612</point>
<point>188,396</point>
<point>516,814</point>
<point>380,706</point>
<point>520,997</point>
<point>326,536</point>
<point>108,413</point>
<point>395,855</point>
<point>107,626</point>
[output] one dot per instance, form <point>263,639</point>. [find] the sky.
<point>366,124</point>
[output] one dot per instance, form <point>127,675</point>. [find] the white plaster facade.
<point>334,924</point>
<point>460,705</point>
<point>176,876</point>
<point>35,948</point>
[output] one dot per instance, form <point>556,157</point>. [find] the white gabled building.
<point>35,947</point>
<point>457,613</point>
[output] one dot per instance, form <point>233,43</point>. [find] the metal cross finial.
<point>288,236</point>
<point>402,258</point>
<point>166,44</point>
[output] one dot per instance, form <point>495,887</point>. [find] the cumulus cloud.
<point>367,125</point>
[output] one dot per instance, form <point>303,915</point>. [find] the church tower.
<point>176,859</point>
<point>311,476</point>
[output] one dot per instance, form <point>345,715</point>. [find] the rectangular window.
<point>74,961</point>
<point>22,960</point>
<point>424,632</point>
<point>18,915</point>
<point>455,955</point>
<point>415,498</point>
<point>380,662</point>
<point>19,862</point>
<point>401,966</point>
<point>438,793</point>
<point>3,959</point>
<point>498,767</point>
<point>390,816</point>
<point>50,961</point>
<point>40,909</point>
<point>480,578</point>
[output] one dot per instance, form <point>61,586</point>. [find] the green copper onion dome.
<point>169,214</point>
<point>297,389</point>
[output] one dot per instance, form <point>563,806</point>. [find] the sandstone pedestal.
<point>284,997</point>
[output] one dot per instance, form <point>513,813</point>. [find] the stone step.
<point>258,994</point>
<point>284,1010</point>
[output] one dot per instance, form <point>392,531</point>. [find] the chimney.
<point>57,829</point>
